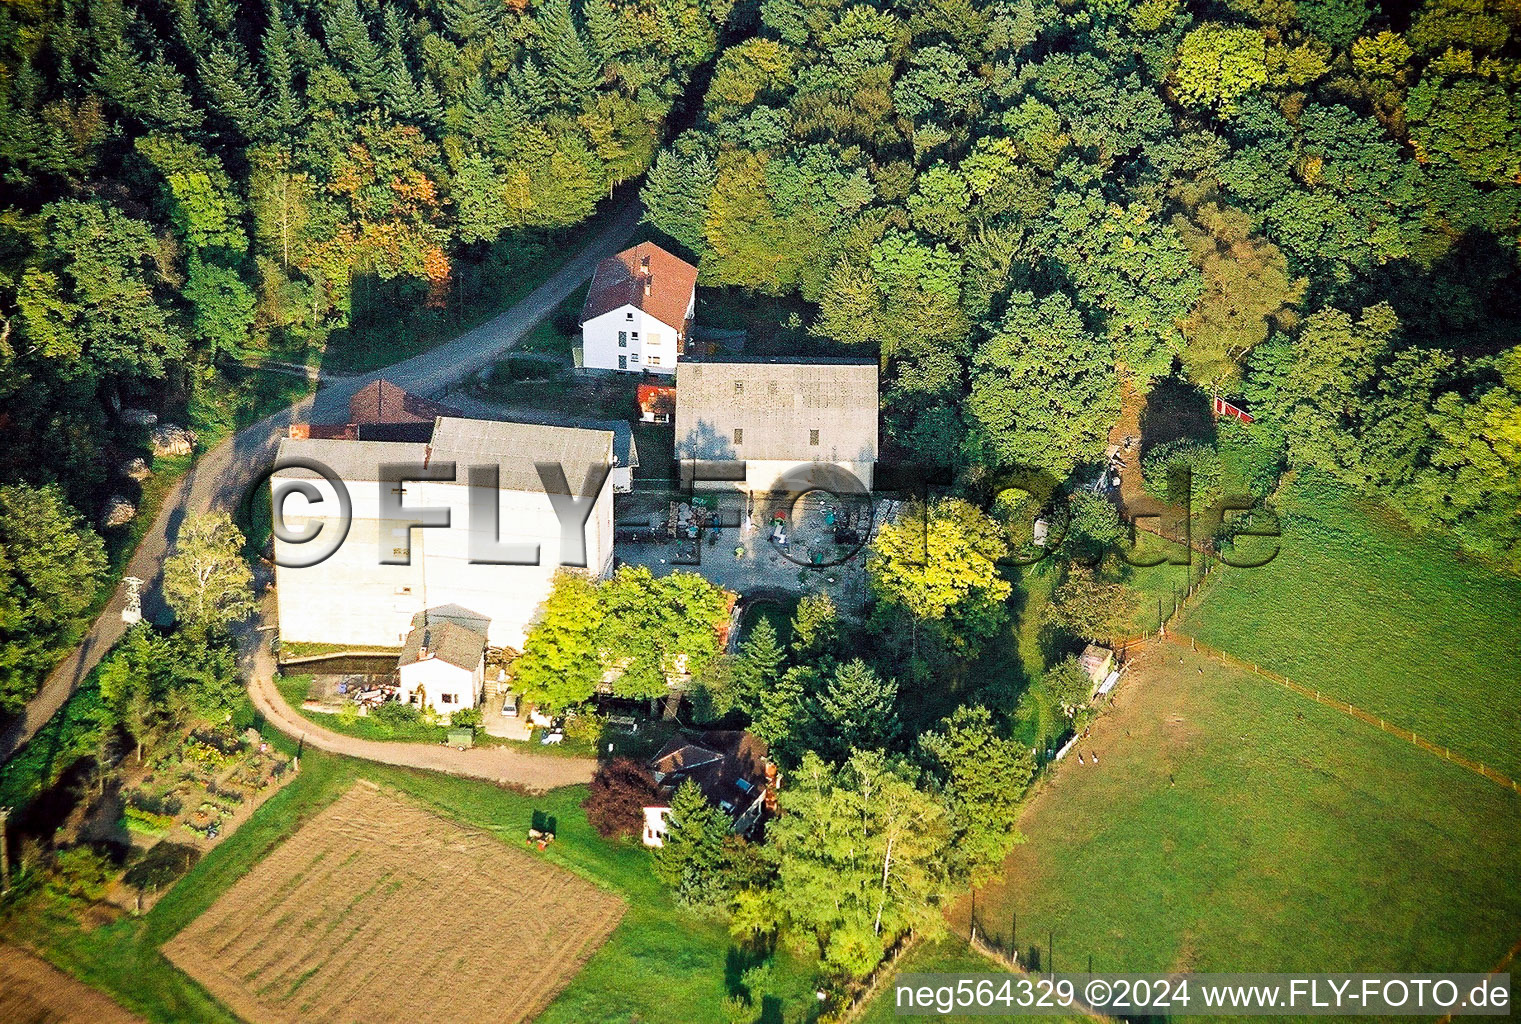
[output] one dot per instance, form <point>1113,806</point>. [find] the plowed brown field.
<point>33,991</point>
<point>378,910</point>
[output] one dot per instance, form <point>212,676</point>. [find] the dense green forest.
<point>1031,210</point>
<point>186,181</point>
<point>1030,206</point>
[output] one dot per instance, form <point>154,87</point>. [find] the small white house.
<point>638,311</point>
<point>443,664</point>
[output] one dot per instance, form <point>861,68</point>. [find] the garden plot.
<point>379,910</point>
<point>202,788</point>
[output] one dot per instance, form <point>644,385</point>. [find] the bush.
<point>465,718</point>
<point>620,790</point>
<point>396,714</point>
<point>1251,456</point>
<point>80,873</point>
<point>1201,459</point>
<point>584,724</point>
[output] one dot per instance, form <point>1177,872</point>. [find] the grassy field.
<point>1361,607</point>
<point>1232,825</point>
<point>660,964</point>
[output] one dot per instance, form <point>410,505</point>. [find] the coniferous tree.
<point>692,850</point>
<point>760,663</point>
<point>568,63</point>
<point>285,108</point>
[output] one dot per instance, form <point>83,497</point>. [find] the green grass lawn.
<point>1232,825</point>
<point>661,963</point>
<point>1396,622</point>
<point>559,332</point>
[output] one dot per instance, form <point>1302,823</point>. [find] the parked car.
<point>510,705</point>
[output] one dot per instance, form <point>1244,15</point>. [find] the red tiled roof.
<point>380,401</point>
<point>621,281</point>
<point>657,398</point>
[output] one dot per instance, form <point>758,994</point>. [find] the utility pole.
<point>5,859</point>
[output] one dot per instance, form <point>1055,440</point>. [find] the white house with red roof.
<point>638,311</point>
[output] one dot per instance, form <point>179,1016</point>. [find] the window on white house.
<point>652,361</point>
<point>629,315</point>
<point>623,362</point>
<point>739,387</point>
<point>633,357</point>
<point>636,335</point>
<point>448,698</point>
<point>813,437</point>
<point>739,435</point>
<point>623,339</point>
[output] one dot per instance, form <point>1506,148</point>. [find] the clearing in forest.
<point>379,910</point>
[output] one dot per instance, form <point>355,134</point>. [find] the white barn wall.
<point>762,475</point>
<point>437,677</point>
<point>353,599</point>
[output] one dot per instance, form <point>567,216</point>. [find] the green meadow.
<point>1361,606</point>
<point>1233,825</point>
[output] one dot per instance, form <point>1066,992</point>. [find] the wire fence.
<point>1408,735</point>
<point>859,998</point>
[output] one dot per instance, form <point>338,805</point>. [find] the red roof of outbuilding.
<point>380,401</point>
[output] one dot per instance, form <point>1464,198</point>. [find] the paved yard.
<point>741,555</point>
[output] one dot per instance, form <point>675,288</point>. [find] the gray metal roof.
<point>446,639</point>
<point>350,460</point>
<point>516,447</point>
<point>777,405</point>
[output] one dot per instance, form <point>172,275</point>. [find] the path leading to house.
<point>222,477</point>
<point>506,765</point>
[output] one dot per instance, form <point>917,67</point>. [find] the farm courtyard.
<point>379,909</point>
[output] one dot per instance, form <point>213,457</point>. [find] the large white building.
<point>776,424</point>
<point>638,311</point>
<point>355,598</point>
